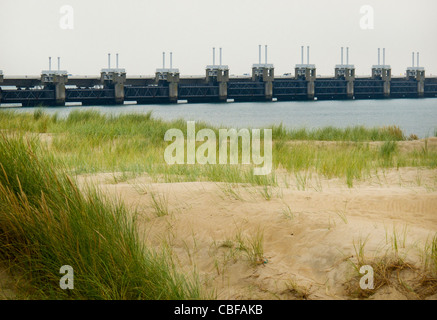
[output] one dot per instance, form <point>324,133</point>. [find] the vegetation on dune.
<point>355,133</point>
<point>89,142</point>
<point>46,222</point>
<point>393,268</point>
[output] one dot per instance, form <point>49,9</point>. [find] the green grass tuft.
<point>46,222</point>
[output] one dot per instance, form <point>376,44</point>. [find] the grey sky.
<point>141,30</point>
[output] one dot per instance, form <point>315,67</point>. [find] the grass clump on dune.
<point>354,133</point>
<point>394,268</point>
<point>46,222</point>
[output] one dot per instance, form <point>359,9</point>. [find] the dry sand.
<point>308,235</point>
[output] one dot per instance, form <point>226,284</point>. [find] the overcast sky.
<point>140,30</point>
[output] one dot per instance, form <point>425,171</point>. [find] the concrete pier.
<point>417,73</point>
<point>169,77</point>
<point>55,80</point>
<point>346,72</point>
<point>173,80</point>
<point>114,79</point>
<point>307,72</point>
<point>218,75</point>
<point>383,72</point>
<point>264,73</point>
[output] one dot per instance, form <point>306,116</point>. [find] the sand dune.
<point>308,235</point>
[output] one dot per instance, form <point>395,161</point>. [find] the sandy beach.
<point>308,235</point>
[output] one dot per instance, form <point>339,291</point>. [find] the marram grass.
<point>46,222</point>
<point>92,142</point>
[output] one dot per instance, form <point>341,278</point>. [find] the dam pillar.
<point>265,73</point>
<point>173,81</point>
<point>114,78</point>
<point>306,72</point>
<point>382,72</point>
<point>55,80</point>
<point>420,77</point>
<point>169,77</point>
<point>57,83</point>
<point>268,78</point>
<point>346,72</point>
<point>417,73</point>
<point>223,90</point>
<point>218,74</point>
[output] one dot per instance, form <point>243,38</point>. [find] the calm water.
<point>418,116</point>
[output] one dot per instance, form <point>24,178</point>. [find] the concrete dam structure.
<point>114,87</point>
